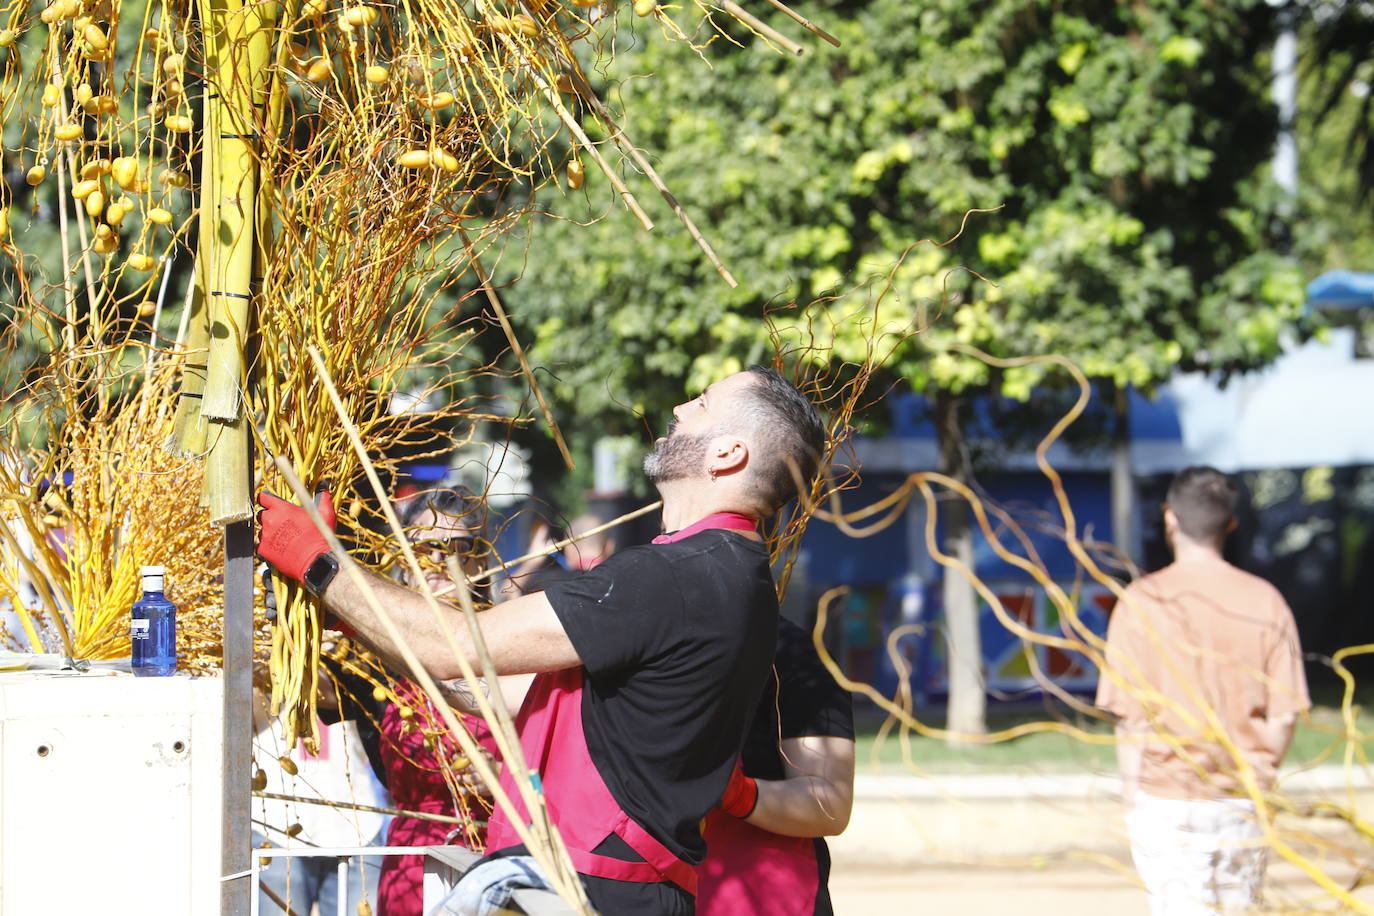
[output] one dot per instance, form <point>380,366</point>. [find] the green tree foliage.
<point>1125,145</point>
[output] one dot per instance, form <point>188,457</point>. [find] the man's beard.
<point>676,457</point>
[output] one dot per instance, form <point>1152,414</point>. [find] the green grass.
<point>1318,739</point>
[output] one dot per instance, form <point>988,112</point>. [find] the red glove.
<point>287,538</point>
<point>741,795</point>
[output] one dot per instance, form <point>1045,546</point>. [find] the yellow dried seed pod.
<point>83,93</point>
<point>4,222</point>
<point>461,763</point>
<point>125,172</point>
<point>379,694</point>
<point>259,780</point>
<point>7,37</point>
<point>360,15</point>
<point>95,203</point>
<point>585,3</point>
<point>79,23</point>
<point>525,24</point>
<point>447,161</point>
<point>178,124</point>
<point>577,174</point>
<point>115,213</point>
<point>563,83</point>
<point>49,14</point>
<point>155,109</point>
<point>436,102</point>
<point>67,131</point>
<point>52,94</point>
<point>159,216</point>
<point>151,34</point>
<point>140,261</point>
<point>645,7</point>
<point>102,231</point>
<point>406,712</point>
<point>106,245</point>
<point>171,65</point>
<point>174,87</point>
<point>36,175</point>
<point>364,908</point>
<point>176,179</point>
<point>95,36</point>
<point>414,159</point>
<point>315,8</point>
<point>319,70</point>
<point>145,310</point>
<point>83,189</point>
<point>287,764</point>
<point>95,168</point>
<point>375,74</point>
<point>294,830</point>
<point>105,104</point>
<point>66,9</point>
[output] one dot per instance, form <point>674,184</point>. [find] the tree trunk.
<point>967,710</point>
<point>1124,533</point>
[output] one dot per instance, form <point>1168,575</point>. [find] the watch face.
<point>321,572</point>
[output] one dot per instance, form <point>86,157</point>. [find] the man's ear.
<point>726,455</point>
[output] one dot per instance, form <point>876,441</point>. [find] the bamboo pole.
<point>545,844</point>
<point>805,23</point>
<point>761,27</point>
<point>228,199</point>
<point>541,847</point>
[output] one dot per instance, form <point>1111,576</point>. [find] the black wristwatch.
<point>321,573</point>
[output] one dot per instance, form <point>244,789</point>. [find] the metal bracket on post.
<point>235,855</point>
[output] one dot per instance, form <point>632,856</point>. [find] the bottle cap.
<point>152,570</point>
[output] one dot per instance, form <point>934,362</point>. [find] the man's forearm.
<point>1130,749</point>
<point>1277,735</point>
<point>806,806</point>
<point>413,617</point>
<point>522,636</point>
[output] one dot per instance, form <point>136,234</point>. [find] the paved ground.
<point>1052,846</point>
<point>1073,888</point>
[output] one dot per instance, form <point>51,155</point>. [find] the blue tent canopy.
<point>1341,289</point>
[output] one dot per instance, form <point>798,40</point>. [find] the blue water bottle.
<point>154,628</point>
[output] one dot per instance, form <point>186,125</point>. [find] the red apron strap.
<point>657,855</point>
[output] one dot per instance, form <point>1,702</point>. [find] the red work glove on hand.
<point>741,795</point>
<point>287,538</point>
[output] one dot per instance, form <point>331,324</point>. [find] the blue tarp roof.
<point>1343,289</point>
<point>1154,419</point>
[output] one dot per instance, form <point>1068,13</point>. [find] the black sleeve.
<point>621,612</point>
<point>810,702</point>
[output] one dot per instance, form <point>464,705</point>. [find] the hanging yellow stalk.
<point>237,45</point>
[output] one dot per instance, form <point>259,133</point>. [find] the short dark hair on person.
<point>457,502</point>
<point>786,423</point>
<point>1203,500</point>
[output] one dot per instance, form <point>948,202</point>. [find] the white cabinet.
<point>110,795</point>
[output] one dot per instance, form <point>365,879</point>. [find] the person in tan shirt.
<point>1204,672</point>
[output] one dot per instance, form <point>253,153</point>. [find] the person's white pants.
<point>1197,857</point>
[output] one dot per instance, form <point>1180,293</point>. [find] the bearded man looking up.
<point>650,665</point>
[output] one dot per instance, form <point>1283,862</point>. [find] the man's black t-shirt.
<point>676,640</point>
<point>800,700</point>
